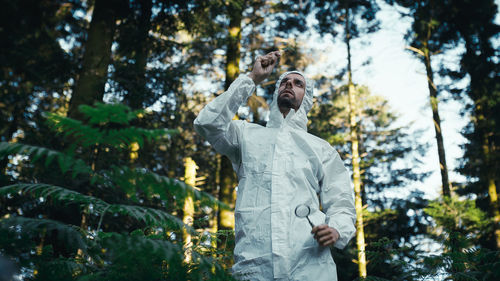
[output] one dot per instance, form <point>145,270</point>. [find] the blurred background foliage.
<point>103,177</point>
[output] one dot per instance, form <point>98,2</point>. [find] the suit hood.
<point>294,118</point>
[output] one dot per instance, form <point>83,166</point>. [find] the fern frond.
<point>200,265</point>
<point>158,184</point>
<point>87,135</point>
<point>109,113</point>
<point>67,127</point>
<point>149,216</point>
<point>56,193</point>
<point>130,135</point>
<point>72,266</point>
<point>119,241</point>
<point>65,161</point>
<point>70,234</point>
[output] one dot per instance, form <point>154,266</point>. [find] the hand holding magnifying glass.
<point>324,234</point>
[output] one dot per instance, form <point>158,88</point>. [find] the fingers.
<point>327,242</point>
<point>325,235</point>
<point>322,233</point>
<point>269,59</point>
<point>327,239</point>
<point>319,227</point>
<point>263,66</point>
<point>266,61</point>
<point>272,55</point>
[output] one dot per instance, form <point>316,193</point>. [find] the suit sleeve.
<point>337,198</point>
<point>215,121</point>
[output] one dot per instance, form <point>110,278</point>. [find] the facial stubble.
<point>286,102</point>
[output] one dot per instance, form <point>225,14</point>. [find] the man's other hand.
<point>263,66</point>
<point>325,235</point>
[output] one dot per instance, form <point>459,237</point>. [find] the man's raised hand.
<point>263,66</point>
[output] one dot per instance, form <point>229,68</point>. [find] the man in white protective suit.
<point>279,167</point>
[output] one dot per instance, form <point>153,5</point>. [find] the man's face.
<point>291,91</point>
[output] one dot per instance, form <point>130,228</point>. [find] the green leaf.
<point>69,234</point>
<point>66,162</point>
<point>149,216</point>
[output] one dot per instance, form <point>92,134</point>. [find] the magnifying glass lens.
<point>302,211</point>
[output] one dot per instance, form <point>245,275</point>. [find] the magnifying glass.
<point>303,211</point>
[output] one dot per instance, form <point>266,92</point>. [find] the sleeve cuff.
<point>245,78</point>
<point>345,234</point>
<point>245,86</point>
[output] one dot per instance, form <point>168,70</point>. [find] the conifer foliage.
<point>126,231</point>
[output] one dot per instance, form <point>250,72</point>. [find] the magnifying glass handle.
<point>312,225</point>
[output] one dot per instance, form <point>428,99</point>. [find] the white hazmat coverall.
<point>279,167</point>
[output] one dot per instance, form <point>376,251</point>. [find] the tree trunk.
<point>89,87</point>
<point>479,63</point>
<point>353,128</point>
<point>137,91</point>
<point>484,129</point>
<point>492,192</point>
<point>435,114</point>
<point>227,193</point>
<point>233,45</point>
<point>487,151</point>
<point>188,210</point>
<point>214,220</point>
